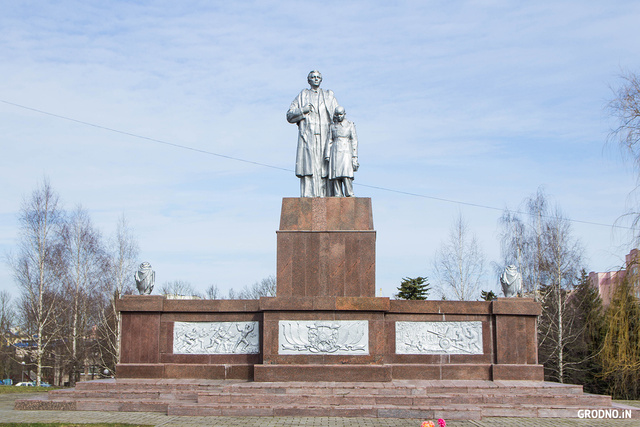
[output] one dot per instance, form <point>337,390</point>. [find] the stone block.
<point>210,306</point>
<point>312,373</point>
<point>518,372</point>
<point>205,371</point>
<point>329,213</point>
<point>126,370</point>
<point>519,306</point>
<point>326,247</point>
<point>140,303</point>
<point>516,340</point>
<point>440,308</point>
<point>362,304</point>
<point>140,340</point>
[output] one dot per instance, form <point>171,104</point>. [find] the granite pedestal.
<point>326,323</point>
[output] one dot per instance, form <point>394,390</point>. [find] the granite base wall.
<point>509,342</point>
<point>326,323</point>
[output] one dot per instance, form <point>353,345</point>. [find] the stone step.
<point>450,412</point>
<point>151,384</point>
<point>430,399</point>
<point>333,397</point>
<point>162,395</point>
<point>396,399</point>
<point>397,388</point>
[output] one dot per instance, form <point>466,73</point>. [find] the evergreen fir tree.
<point>488,296</point>
<point>413,289</point>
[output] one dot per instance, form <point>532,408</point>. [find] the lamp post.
<point>22,380</point>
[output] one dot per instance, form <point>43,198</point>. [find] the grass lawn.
<point>7,389</point>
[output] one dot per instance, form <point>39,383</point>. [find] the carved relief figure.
<point>312,111</point>
<point>324,337</point>
<point>215,338</point>
<point>439,337</point>
<point>341,154</point>
<point>242,338</point>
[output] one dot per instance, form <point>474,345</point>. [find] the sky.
<point>173,115</point>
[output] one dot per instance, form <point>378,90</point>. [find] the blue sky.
<point>480,102</point>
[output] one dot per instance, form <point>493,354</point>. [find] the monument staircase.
<point>416,399</point>
<point>326,345</point>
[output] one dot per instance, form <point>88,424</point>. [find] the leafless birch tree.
<point>562,261</point>
<point>36,267</point>
<point>85,266</point>
<point>122,262</point>
<point>539,241</point>
<point>459,263</point>
<point>521,240</point>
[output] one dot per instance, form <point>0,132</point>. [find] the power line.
<point>238,159</point>
<point>172,144</point>
<point>476,205</point>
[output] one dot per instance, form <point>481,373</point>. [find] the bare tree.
<point>178,288</point>
<point>264,288</point>
<point>85,262</point>
<point>6,316</point>
<point>36,267</point>
<point>521,240</point>
<point>549,258</point>
<point>6,323</point>
<point>562,262</point>
<point>213,292</point>
<point>459,263</point>
<point>122,255</point>
<point>624,107</point>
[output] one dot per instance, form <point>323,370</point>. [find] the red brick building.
<point>607,281</point>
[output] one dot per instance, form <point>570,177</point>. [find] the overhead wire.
<point>238,159</point>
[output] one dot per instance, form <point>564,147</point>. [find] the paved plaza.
<point>8,414</point>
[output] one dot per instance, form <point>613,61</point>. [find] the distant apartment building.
<point>607,281</point>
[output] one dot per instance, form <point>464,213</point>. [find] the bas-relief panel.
<point>216,338</point>
<point>439,337</point>
<point>340,337</point>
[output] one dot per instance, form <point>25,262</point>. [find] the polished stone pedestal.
<point>326,247</point>
<point>326,323</point>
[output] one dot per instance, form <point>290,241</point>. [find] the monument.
<point>312,111</point>
<point>325,322</point>
<point>310,350</point>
